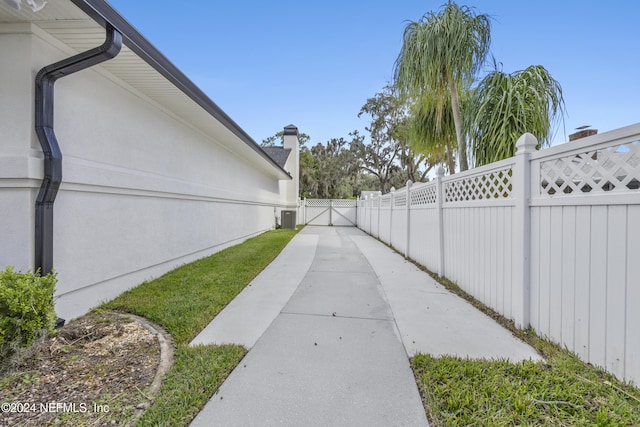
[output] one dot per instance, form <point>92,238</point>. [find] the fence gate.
<point>337,212</point>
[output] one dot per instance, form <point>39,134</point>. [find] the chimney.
<point>290,140</point>
<point>583,132</point>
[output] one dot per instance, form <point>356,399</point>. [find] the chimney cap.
<point>291,130</point>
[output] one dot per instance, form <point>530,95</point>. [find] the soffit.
<point>54,10</point>
<point>81,35</point>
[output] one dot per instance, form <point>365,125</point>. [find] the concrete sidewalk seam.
<point>336,316</point>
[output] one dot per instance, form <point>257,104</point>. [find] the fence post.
<point>304,211</point>
<point>369,211</point>
<point>439,204</point>
<point>330,212</point>
<point>392,201</point>
<point>366,222</point>
<point>357,211</point>
<point>406,244</point>
<point>522,229</point>
<point>378,229</point>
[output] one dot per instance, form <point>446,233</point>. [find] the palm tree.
<point>505,106</point>
<point>440,53</point>
<point>432,135</point>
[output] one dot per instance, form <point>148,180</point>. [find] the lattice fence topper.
<point>385,201</point>
<point>321,203</point>
<point>615,168</point>
<point>424,195</point>
<point>400,199</point>
<point>492,185</point>
<point>339,203</point>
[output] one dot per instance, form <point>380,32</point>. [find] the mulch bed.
<point>95,371</point>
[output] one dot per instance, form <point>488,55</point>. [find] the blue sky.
<point>314,63</point>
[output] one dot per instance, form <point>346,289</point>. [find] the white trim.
<point>625,198</point>
<point>605,139</point>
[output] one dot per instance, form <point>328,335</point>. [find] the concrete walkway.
<point>330,325</point>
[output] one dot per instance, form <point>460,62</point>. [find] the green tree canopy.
<point>309,173</point>
<point>389,156</point>
<point>336,168</point>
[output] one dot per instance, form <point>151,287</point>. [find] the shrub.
<point>26,308</point>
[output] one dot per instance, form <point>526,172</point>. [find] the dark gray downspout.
<point>45,80</point>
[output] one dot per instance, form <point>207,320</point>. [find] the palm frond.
<point>441,54</point>
<point>505,106</point>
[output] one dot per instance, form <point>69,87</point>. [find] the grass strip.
<point>184,301</point>
<point>197,373</point>
<point>562,390</point>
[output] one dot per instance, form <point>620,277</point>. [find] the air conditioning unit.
<point>288,219</point>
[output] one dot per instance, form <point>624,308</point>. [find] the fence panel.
<point>632,351</point>
<point>423,226</point>
<point>317,211</point>
<point>478,250</point>
<point>361,214</point>
<point>330,212</point>
<point>344,212</point>
<point>384,219</point>
<point>585,197</point>
<point>582,281</point>
<point>375,217</point>
<point>398,221</point>
<point>548,238</point>
<point>423,240</point>
<point>476,206</point>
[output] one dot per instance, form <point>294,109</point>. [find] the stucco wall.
<point>143,190</point>
<point>20,167</point>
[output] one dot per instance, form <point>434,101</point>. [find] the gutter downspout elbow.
<point>45,81</point>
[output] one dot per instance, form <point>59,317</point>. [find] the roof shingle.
<point>278,154</point>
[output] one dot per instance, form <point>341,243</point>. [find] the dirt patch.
<point>98,370</point>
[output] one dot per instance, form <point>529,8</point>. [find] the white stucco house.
<point>132,170</point>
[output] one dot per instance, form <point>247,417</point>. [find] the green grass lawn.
<point>184,301</point>
<point>562,390</point>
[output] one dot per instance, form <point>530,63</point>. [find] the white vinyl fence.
<point>547,238</point>
<point>336,212</point>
